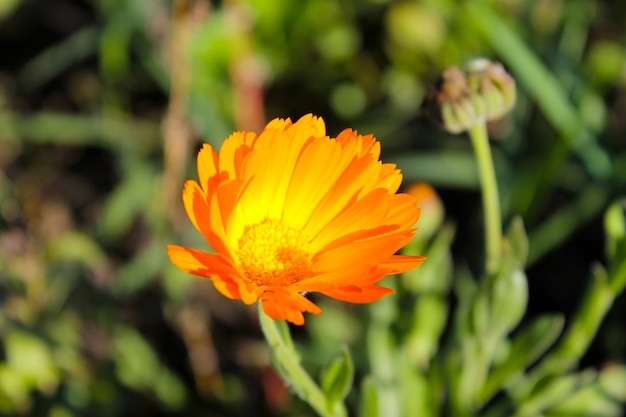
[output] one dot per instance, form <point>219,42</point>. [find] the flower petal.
<point>368,213</point>
<point>398,264</point>
<point>285,305</point>
<point>208,165</point>
<point>343,192</point>
<point>270,167</point>
<point>363,252</point>
<point>207,265</point>
<point>358,294</point>
<point>194,201</point>
<point>233,151</point>
<point>311,180</point>
<point>308,126</point>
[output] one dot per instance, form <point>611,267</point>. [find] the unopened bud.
<point>494,85</point>
<point>458,101</point>
<point>447,101</point>
<point>432,210</point>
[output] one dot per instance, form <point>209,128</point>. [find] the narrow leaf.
<point>552,391</point>
<point>603,398</point>
<point>517,241</point>
<point>337,377</point>
<point>369,398</point>
<point>526,347</point>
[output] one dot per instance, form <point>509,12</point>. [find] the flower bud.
<point>493,84</point>
<point>432,211</point>
<point>447,101</point>
<point>460,100</point>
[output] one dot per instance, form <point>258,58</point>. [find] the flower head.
<point>292,211</point>
<point>458,100</point>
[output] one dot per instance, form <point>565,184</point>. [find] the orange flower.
<point>292,211</point>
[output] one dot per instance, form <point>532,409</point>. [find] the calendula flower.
<point>293,211</point>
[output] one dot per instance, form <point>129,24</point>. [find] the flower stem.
<point>491,200</point>
<point>287,364</point>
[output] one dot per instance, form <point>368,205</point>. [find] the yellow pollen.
<point>274,254</point>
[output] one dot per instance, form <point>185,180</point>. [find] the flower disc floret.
<point>273,254</point>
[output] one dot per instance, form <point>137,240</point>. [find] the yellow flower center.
<point>274,254</point>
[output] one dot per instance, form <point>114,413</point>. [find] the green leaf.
<point>508,299</point>
<point>615,225</point>
<point>529,344</point>
<point>141,270</point>
<point>517,242</point>
<point>7,6</point>
<point>429,320</point>
<point>336,379</point>
<point>617,270</point>
<point>465,289</point>
<point>77,247</point>
<point>59,58</point>
<point>417,391</point>
<point>31,358</point>
<point>121,136</point>
<point>603,398</point>
<point>615,220</point>
<point>596,302</point>
<point>133,195</point>
<point>138,367</point>
<point>552,391</point>
<point>369,398</point>
<point>615,229</point>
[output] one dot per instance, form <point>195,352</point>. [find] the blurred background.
<point>104,103</point>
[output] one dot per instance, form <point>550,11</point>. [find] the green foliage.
<point>138,367</point>
<point>94,320</point>
<point>336,379</point>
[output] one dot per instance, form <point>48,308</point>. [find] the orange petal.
<point>308,126</point>
<point>367,213</point>
<point>208,165</point>
<point>278,124</point>
<point>401,263</point>
<point>286,305</point>
<point>363,252</point>
<point>358,294</point>
<point>343,192</point>
<point>359,145</point>
<point>194,201</point>
<point>403,210</point>
<point>207,265</point>
<point>358,274</point>
<point>233,151</point>
<point>311,180</point>
<point>390,178</point>
<point>220,209</point>
<point>270,167</point>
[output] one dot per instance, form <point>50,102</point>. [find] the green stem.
<point>491,200</point>
<point>287,363</point>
